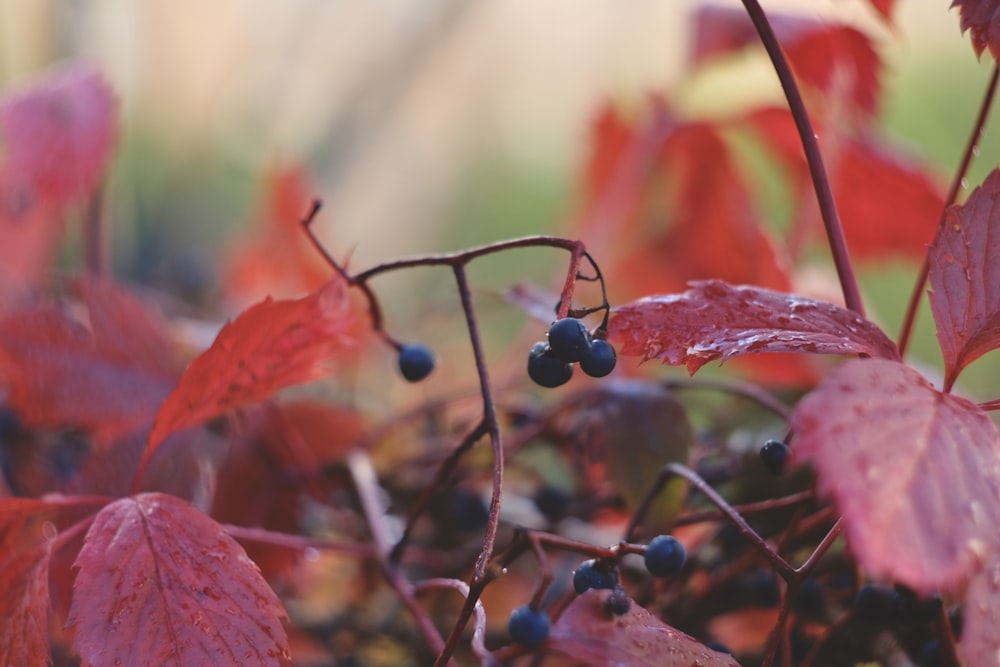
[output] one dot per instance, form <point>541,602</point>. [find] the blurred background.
<point>425,125</point>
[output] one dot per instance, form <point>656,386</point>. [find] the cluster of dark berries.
<point>551,364</point>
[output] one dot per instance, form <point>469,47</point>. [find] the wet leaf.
<point>591,636</point>
<point>161,583</point>
<point>982,19</point>
<point>916,473</point>
<point>965,279</point>
<point>714,320</point>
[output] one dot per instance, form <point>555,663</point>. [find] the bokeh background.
<point>427,125</point>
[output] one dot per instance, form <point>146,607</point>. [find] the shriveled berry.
<point>415,362</point>
<point>599,360</point>
<point>594,574</point>
<point>774,456</point>
<point>545,369</point>
<point>877,605</point>
<point>664,556</point>
<point>618,603</point>
<point>569,339</point>
<point>529,627</point>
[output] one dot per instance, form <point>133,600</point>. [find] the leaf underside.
<point>915,472</point>
<point>715,320</point>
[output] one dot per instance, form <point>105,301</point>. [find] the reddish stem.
<point>810,144</point>
<point>909,319</point>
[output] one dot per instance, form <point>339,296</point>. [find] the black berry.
<point>545,369</point>
<point>552,502</point>
<point>468,510</point>
<point>718,647</point>
<point>569,340</point>
<point>916,610</point>
<point>930,654</point>
<point>599,360</point>
<point>528,627</point>
<point>762,588</point>
<point>415,362</point>
<point>594,574</point>
<point>618,603</point>
<point>877,605</point>
<point>810,599</point>
<point>774,455</point>
<point>664,556</point>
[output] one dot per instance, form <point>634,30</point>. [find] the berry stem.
<point>297,542</point>
<point>814,158</point>
<point>479,626</point>
<point>95,235</point>
<point>909,319</point>
<point>366,485</point>
<point>749,390</point>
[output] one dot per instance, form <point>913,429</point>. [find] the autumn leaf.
<point>965,279</point>
<point>60,133</point>
<point>31,227</point>
<point>108,378</point>
<point>161,583</point>
<point>981,618</point>
<point>275,457</point>
<point>277,258</point>
<point>24,607</point>
<point>837,60</point>
<point>884,8</point>
<point>916,473</point>
<point>715,320</point>
<point>270,346</point>
<point>889,202</point>
<point>982,19</point>
<point>589,635</point>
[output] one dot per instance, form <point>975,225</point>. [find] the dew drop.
<point>965,184</point>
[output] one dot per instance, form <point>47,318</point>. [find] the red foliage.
<point>836,60</point>
<point>161,583</point>
<point>270,346</point>
<point>714,320</point>
<point>590,635</point>
<point>980,639</point>
<point>982,19</point>
<point>24,606</point>
<point>278,258</point>
<point>915,472</point>
<point>60,134</point>
<point>107,377</point>
<point>965,279</point>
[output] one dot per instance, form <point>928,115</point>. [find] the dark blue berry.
<point>930,654</point>
<point>618,603</point>
<point>599,360</point>
<point>569,339</point>
<point>718,647</point>
<point>762,587</point>
<point>877,605</point>
<point>810,599</point>
<point>545,369</point>
<point>915,610</point>
<point>415,362</point>
<point>552,502</point>
<point>774,455</point>
<point>528,627</point>
<point>594,574</point>
<point>664,556</point>
<point>468,510</point>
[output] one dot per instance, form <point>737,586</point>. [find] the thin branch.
<point>971,147</point>
<point>810,144</point>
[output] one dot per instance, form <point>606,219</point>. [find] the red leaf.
<point>60,133</point>
<point>965,279</point>
<point>274,460</point>
<point>278,258</point>
<point>883,7</point>
<point>108,380</point>
<point>588,634</point>
<point>982,19</point>
<point>714,320</point>
<point>838,60</point>
<point>889,203</point>
<point>24,607</point>
<point>915,472</point>
<point>160,583</point>
<point>981,618</point>
<point>31,227</point>
<point>270,346</point>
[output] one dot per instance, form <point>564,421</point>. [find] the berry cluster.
<point>550,364</point>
